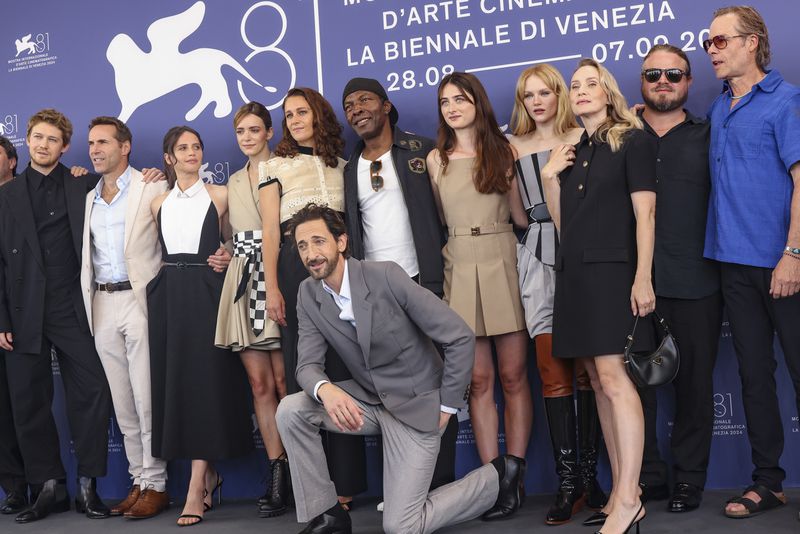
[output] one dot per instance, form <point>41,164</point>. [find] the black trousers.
<point>755,317</point>
<point>696,324</point>
<point>11,466</point>
<point>88,400</point>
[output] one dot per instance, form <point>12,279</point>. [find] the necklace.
<point>740,96</point>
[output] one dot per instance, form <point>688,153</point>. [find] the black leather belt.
<point>110,288</point>
<point>184,264</point>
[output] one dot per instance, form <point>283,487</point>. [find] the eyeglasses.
<point>673,75</point>
<point>375,179</point>
<point>720,41</point>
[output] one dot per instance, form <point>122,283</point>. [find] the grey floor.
<point>241,517</point>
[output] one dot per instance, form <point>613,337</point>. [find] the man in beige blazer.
<point>120,255</point>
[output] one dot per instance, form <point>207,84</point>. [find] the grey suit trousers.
<point>409,457</point>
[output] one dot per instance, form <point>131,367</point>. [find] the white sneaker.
<point>380,507</point>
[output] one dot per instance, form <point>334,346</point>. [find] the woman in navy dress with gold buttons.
<point>604,208</point>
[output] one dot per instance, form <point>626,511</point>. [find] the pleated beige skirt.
<point>234,330</point>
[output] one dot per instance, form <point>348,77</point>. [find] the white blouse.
<point>182,216</point>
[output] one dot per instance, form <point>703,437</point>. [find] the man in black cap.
<point>390,210</point>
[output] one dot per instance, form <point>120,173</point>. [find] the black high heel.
<point>634,522</point>
<point>217,486</point>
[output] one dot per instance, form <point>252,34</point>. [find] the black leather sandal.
<point>768,501</point>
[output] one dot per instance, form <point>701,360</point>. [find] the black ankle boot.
<point>589,446</point>
<point>274,502</point>
<point>88,502</point>
<point>511,495</point>
<point>51,498</point>
<point>16,500</point>
<point>561,420</point>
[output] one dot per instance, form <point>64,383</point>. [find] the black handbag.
<point>650,369</point>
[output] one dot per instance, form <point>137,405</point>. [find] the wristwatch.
<point>792,250</point>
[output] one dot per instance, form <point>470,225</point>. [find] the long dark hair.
<point>494,158</point>
<point>170,140</point>
<point>328,141</point>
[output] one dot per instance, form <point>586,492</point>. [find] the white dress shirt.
<point>107,227</point>
<point>344,302</point>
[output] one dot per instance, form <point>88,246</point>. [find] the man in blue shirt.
<point>754,231</point>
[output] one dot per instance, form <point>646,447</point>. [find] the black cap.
<point>373,86</point>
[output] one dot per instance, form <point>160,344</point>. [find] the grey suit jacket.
<point>389,352</point>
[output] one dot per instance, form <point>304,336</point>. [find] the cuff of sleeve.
<point>316,388</point>
<point>445,409</point>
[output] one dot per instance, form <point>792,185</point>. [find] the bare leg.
<point>604,413</point>
<point>512,363</point>
<point>482,409</point>
<point>195,494</point>
<point>265,399</point>
<point>627,428</point>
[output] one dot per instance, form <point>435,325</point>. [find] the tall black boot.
<point>561,420</point>
<point>274,502</point>
<point>589,444</point>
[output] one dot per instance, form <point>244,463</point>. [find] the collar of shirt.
<point>123,182</point>
<point>191,191</point>
<point>690,118</point>
<point>37,179</point>
<point>768,83</point>
<point>343,299</point>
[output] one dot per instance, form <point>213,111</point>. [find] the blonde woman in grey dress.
<point>242,324</point>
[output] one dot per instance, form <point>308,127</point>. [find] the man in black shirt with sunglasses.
<point>686,284</point>
<point>390,211</point>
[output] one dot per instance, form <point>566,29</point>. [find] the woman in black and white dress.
<point>200,405</point>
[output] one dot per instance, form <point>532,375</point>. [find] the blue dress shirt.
<point>107,228</point>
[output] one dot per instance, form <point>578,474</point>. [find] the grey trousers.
<point>409,457</point>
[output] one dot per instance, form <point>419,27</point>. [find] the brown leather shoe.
<point>129,501</point>
<point>150,503</point>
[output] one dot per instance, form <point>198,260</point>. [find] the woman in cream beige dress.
<point>242,324</point>
<point>472,172</point>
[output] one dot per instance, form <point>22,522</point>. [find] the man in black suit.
<point>41,224</point>
<point>12,474</point>
<point>390,211</point>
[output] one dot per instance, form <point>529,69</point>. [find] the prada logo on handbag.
<point>657,360</point>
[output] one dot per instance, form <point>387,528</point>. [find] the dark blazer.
<point>22,274</point>
<point>408,154</point>
<point>389,352</point>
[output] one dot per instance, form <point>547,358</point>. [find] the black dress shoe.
<point>88,502</point>
<point>653,492</point>
<point>685,497</point>
<point>333,521</point>
<point>52,498</point>
<point>511,471</point>
<point>597,518</point>
<point>16,497</point>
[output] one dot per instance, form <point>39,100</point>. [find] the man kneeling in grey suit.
<point>382,325</point>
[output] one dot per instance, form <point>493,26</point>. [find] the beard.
<point>665,102</point>
<point>330,266</point>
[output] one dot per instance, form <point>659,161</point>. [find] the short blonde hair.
<point>54,118</point>
<point>521,122</point>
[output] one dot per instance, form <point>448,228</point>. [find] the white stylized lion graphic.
<point>142,77</point>
<point>25,44</point>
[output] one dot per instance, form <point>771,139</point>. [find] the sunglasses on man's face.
<point>375,179</point>
<point>673,75</point>
<point>720,41</point>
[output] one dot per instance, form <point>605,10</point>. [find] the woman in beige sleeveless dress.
<point>242,324</point>
<point>472,172</point>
